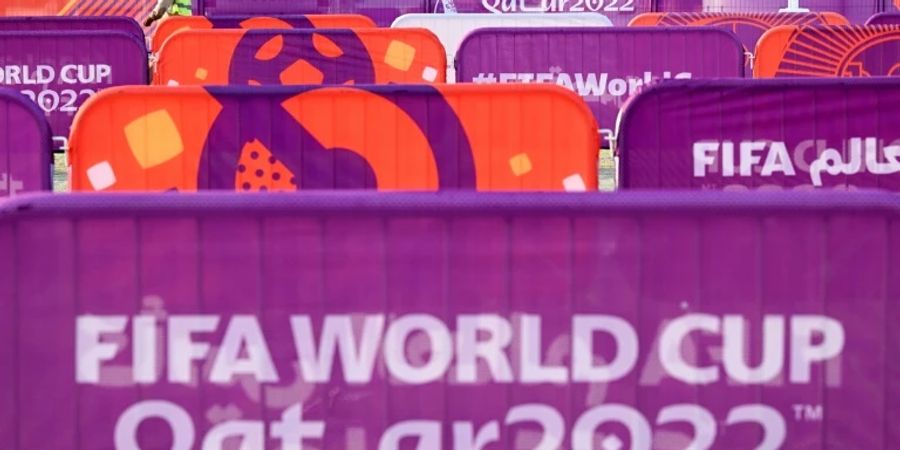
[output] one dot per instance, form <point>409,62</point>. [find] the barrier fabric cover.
<point>502,320</point>
<point>857,11</point>
<point>63,23</point>
<point>383,12</point>
<point>137,9</point>
<point>605,66</point>
<point>748,27</point>
<point>24,146</point>
<point>885,18</point>
<point>262,57</point>
<point>851,51</point>
<point>60,70</point>
<point>620,12</point>
<point>173,24</point>
<point>452,29</point>
<point>764,134</point>
<point>306,137</point>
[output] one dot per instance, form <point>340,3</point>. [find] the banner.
<point>137,9</point>
<point>618,11</point>
<point>762,134</point>
<point>748,27</point>
<point>451,29</point>
<point>857,11</point>
<point>51,23</point>
<point>306,137</point>
<point>364,321</point>
<point>383,12</point>
<point>605,66</point>
<point>59,70</point>
<point>853,51</point>
<point>886,18</point>
<point>263,57</point>
<point>171,25</point>
<point>24,146</point>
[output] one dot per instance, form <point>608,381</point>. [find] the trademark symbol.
<point>808,413</point>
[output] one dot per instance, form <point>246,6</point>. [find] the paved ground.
<point>60,173</point>
<point>607,171</point>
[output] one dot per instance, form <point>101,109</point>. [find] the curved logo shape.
<point>171,25</point>
<point>856,51</point>
<point>749,27</point>
<point>299,142</point>
<point>868,60</point>
<point>283,57</point>
<point>337,137</point>
<point>266,59</point>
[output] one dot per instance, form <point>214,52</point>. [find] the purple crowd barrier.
<point>855,11</point>
<point>382,12</point>
<point>631,320</point>
<point>620,12</point>
<point>60,70</point>
<point>24,146</point>
<point>605,66</point>
<point>72,23</point>
<point>764,134</point>
<point>885,18</point>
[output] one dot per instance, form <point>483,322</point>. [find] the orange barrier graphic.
<point>137,9</point>
<point>848,51</point>
<point>748,27</point>
<point>267,57</point>
<point>425,137</point>
<point>171,25</point>
<point>758,20</point>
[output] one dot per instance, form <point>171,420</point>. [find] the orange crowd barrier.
<point>266,57</point>
<point>173,24</point>
<point>425,137</point>
<point>847,51</point>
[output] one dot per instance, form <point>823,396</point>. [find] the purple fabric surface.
<point>60,70</point>
<point>605,66</point>
<point>821,270</point>
<point>885,18</point>
<point>296,20</point>
<point>620,12</point>
<point>763,134</point>
<point>24,146</point>
<point>382,12</point>
<point>72,23</point>
<point>857,11</point>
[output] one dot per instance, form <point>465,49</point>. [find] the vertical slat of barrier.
<point>45,250</point>
<point>294,242</point>
<point>171,243</point>
<point>670,287</point>
<point>606,277</point>
<point>355,282</point>
<point>731,285</point>
<point>106,246</point>
<point>794,258</point>
<point>478,268</point>
<point>539,276</point>
<point>8,334</point>
<point>411,243</point>
<point>892,334</point>
<point>230,263</point>
<point>856,288</point>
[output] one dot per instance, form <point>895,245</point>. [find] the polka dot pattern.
<point>259,171</point>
